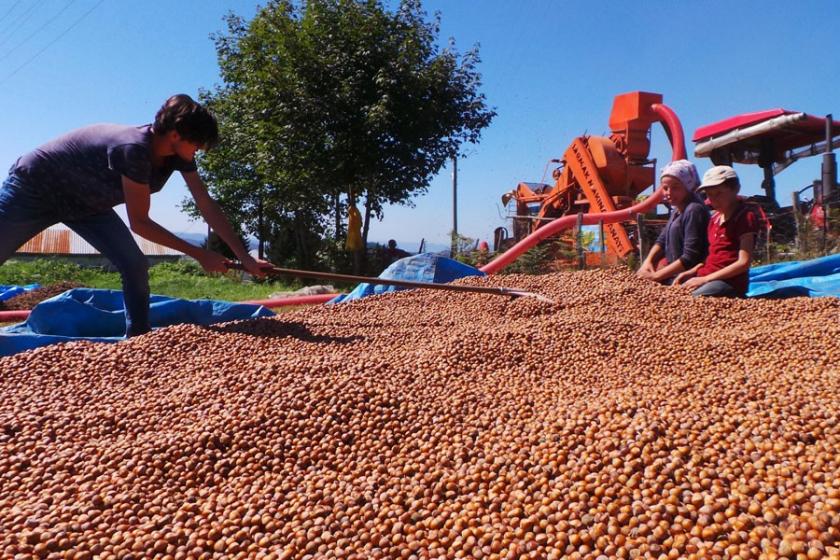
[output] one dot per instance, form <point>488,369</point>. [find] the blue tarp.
<point>8,292</point>
<point>425,267</point>
<point>814,278</point>
<point>99,315</point>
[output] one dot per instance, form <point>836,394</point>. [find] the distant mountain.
<point>411,247</point>
<point>194,238</point>
<point>199,238</point>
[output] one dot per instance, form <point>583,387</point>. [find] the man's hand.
<point>255,267</point>
<point>211,261</point>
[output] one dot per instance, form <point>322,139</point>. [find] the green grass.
<point>183,279</point>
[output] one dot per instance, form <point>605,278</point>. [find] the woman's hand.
<point>646,271</point>
<point>696,282</point>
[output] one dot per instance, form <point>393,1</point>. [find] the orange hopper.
<point>600,174</point>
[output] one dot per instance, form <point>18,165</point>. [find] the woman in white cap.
<point>683,243</point>
<point>732,232</point>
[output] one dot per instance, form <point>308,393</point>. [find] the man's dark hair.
<point>190,120</point>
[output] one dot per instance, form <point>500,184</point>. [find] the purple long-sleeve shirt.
<point>684,236</point>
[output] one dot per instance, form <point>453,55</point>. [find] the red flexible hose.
<point>14,315</point>
<point>673,126</point>
<point>292,300</point>
<point>675,133</point>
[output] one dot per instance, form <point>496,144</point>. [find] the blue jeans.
<point>715,288</point>
<point>24,212</point>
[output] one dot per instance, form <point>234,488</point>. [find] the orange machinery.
<point>600,174</point>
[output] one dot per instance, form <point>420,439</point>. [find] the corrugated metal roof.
<point>63,241</point>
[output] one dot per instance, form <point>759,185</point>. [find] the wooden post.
<point>579,242</point>
<point>640,230</point>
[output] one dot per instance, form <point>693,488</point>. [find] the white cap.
<point>717,175</point>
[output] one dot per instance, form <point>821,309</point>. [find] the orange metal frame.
<point>601,174</point>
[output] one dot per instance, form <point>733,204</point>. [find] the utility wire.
<point>49,21</point>
<point>51,43</point>
<point>9,11</point>
<point>18,23</point>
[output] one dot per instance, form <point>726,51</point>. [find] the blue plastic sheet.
<point>814,278</point>
<point>99,316</point>
<point>8,292</point>
<point>425,267</point>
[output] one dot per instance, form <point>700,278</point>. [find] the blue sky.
<point>550,68</point>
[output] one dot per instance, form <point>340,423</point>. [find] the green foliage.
<point>333,256</point>
<point>215,243</point>
<point>536,260</point>
<point>461,243</point>
<point>326,97</point>
<point>466,252</point>
<point>378,260</point>
<point>182,279</point>
<point>810,241</point>
<point>295,240</point>
<point>814,241</point>
<point>181,267</point>
<point>52,271</point>
<point>587,239</point>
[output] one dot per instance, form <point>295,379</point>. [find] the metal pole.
<point>829,170</point>
<point>797,242</point>
<point>603,242</point>
<point>579,242</point>
<point>454,205</point>
<point>640,228</point>
<point>765,161</point>
<point>767,234</point>
<point>829,175</point>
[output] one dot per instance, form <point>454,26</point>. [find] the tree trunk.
<point>300,240</point>
<point>366,223</point>
<point>338,224</point>
<point>366,227</point>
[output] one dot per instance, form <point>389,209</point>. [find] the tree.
<point>329,97</point>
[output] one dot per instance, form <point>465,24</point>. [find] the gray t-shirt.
<point>81,172</point>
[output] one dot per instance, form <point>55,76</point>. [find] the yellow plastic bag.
<point>354,229</point>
